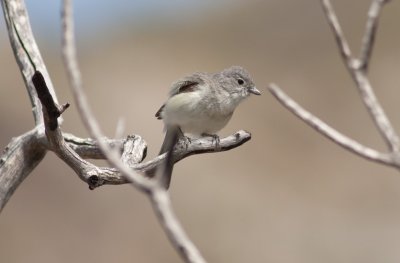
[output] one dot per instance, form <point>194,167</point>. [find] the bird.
<point>201,104</point>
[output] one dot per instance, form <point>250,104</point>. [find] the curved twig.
<point>328,131</point>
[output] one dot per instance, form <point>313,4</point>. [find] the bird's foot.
<point>215,139</point>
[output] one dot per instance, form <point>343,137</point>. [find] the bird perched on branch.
<point>202,104</point>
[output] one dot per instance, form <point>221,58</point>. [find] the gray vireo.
<point>202,103</point>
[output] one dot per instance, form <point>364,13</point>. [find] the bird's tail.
<point>171,138</point>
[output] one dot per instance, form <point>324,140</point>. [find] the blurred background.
<point>288,195</point>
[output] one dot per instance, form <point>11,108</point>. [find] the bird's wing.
<point>186,84</point>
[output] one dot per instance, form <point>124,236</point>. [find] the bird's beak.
<point>254,90</point>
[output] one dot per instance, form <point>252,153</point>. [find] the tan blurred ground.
<point>289,195</point>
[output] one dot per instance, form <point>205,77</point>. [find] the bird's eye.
<point>240,81</point>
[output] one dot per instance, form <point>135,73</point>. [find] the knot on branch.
<point>94,182</point>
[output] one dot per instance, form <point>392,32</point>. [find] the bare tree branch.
<point>17,161</point>
<point>135,146</point>
<point>359,76</point>
<point>327,131</point>
<point>51,112</point>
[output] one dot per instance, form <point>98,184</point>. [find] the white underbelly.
<point>204,124</point>
<point>185,112</point>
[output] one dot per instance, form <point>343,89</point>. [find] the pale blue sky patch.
<point>95,16</point>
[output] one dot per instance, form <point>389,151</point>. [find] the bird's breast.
<point>196,114</point>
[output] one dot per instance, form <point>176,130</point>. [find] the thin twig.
<point>120,129</point>
<point>368,96</point>
<point>341,41</point>
<point>368,40</point>
<point>329,132</point>
<point>162,205</point>
<point>159,197</point>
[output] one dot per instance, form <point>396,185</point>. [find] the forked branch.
<point>358,72</point>
<point>357,68</point>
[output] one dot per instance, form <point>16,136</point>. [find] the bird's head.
<point>238,82</point>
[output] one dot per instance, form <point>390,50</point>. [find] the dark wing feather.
<point>187,84</point>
